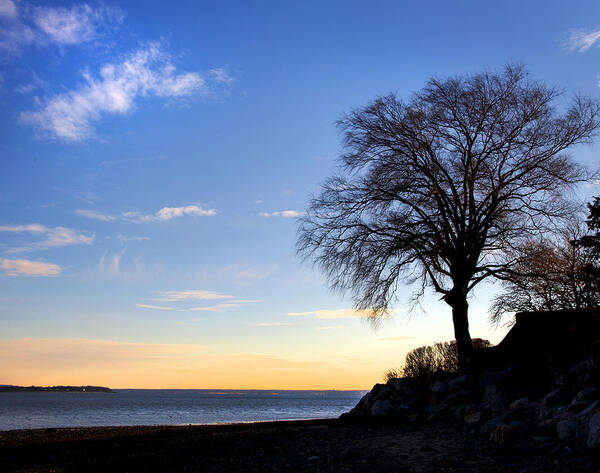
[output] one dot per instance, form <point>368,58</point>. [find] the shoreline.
<point>45,435</point>
<point>325,445</point>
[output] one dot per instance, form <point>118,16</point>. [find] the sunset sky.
<point>153,161</point>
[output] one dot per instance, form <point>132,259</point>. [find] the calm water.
<point>167,406</point>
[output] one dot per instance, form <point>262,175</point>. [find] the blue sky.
<point>153,161</point>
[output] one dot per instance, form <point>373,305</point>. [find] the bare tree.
<point>551,274</point>
<point>436,189</point>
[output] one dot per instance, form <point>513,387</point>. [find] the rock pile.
<point>520,406</point>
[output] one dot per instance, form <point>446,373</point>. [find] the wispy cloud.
<point>154,307</point>
<point>222,307</point>
<point>275,324</point>
<point>125,238</point>
<point>332,327</point>
<point>166,213</point>
<point>281,213</point>
<point>582,40</point>
<point>22,267</point>
<point>333,314</point>
<point>221,75</point>
<point>78,24</point>
<point>178,296</point>
<point>51,237</point>
<point>146,72</point>
<point>26,25</point>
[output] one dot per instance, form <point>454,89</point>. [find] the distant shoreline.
<point>63,389</point>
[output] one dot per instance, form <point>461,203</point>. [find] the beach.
<point>301,446</point>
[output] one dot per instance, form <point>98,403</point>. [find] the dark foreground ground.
<point>300,446</point>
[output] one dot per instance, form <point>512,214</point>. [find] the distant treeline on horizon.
<point>95,389</point>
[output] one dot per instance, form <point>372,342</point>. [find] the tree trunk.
<point>457,300</point>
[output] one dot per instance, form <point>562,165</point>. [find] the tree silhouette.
<point>551,274</point>
<point>439,188</point>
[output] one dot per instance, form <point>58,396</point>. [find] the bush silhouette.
<point>441,357</point>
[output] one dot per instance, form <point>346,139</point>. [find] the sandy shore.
<point>298,446</point>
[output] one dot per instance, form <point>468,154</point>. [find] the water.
<point>32,410</point>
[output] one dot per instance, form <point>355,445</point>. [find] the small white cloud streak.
<point>78,24</point>
<point>154,307</point>
<point>222,307</point>
<point>116,260</point>
<point>275,324</point>
<point>53,25</point>
<point>164,214</point>
<point>92,214</point>
<point>221,75</point>
<point>53,237</point>
<point>21,267</point>
<point>69,116</point>
<point>178,296</point>
<point>332,314</point>
<point>581,40</point>
<point>124,238</point>
<point>282,213</point>
<point>332,327</point>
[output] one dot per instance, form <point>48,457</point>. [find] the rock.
<point>502,434</point>
<point>460,382</point>
<point>439,387</point>
<point>578,406</point>
<point>493,397</point>
<point>566,430</point>
<point>554,397</point>
<point>581,368</point>
<point>593,439</point>
<point>586,394</point>
<point>455,398</point>
<point>472,418</point>
<point>381,409</point>
<point>489,425</point>
<point>522,403</point>
<point>590,410</point>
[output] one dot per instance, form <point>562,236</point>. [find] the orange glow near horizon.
<point>48,362</point>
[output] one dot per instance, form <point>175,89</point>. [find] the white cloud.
<point>8,8</point>
<point>275,324</point>
<point>95,215</point>
<point>281,213</point>
<point>332,327</point>
<point>79,24</point>
<point>334,314</point>
<point>581,40</point>
<point>125,238</point>
<point>221,75</point>
<point>166,213</point>
<point>155,307</point>
<point>70,116</point>
<point>196,295</point>
<point>116,261</point>
<point>52,237</point>
<point>177,296</point>
<point>222,306</point>
<point>22,267</point>
<point>25,26</point>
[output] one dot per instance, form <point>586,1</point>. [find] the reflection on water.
<point>27,410</point>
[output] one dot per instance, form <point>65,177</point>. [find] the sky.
<point>153,163</point>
